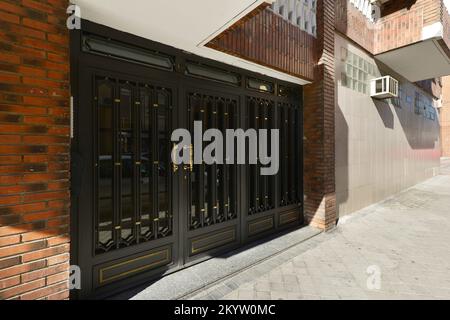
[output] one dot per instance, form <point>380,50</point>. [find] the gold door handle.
<point>191,157</point>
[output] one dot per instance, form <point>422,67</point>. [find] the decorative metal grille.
<point>299,12</point>
<point>132,163</point>
<point>270,192</point>
<point>261,189</point>
<point>289,176</point>
<point>212,187</point>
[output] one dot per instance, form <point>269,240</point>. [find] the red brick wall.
<point>401,23</point>
<point>267,39</point>
<point>319,126</point>
<point>34,149</point>
<point>352,23</point>
<point>399,29</point>
<point>445,117</point>
<point>431,9</point>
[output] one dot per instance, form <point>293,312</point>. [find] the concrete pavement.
<point>397,249</point>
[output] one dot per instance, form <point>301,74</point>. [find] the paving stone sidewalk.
<point>397,249</point>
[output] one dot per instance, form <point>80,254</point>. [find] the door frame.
<point>176,81</point>
<point>207,88</point>
<point>86,127</point>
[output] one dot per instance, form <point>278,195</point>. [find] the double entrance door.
<point>138,215</point>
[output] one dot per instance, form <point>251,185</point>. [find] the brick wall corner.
<point>319,127</point>
<point>34,150</point>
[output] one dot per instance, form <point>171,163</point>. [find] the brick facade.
<point>353,24</point>
<point>445,118</point>
<point>34,149</point>
<point>266,38</point>
<point>401,23</point>
<point>319,126</point>
<point>309,58</point>
<point>35,128</point>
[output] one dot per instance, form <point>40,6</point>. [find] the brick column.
<point>34,149</point>
<point>319,175</point>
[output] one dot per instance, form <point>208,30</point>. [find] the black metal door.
<point>211,190</point>
<point>273,202</point>
<point>128,205</point>
<point>136,215</point>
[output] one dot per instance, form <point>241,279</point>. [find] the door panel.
<point>133,164</point>
<point>273,202</point>
<point>146,174</point>
<point>105,220</point>
<point>132,206</point>
<point>212,191</point>
<point>260,115</point>
<point>155,177</point>
<point>127,166</point>
<point>212,194</point>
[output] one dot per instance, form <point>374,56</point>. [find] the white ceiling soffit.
<point>186,25</point>
<point>419,61</point>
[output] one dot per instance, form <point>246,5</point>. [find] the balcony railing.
<point>399,30</point>
<point>445,9</point>
<point>366,7</point>
<point>410,37</point>
<point>301,13</point>
<point>414,40</point>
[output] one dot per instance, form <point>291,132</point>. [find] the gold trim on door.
<point>167,259</point>
<point>223,241</point>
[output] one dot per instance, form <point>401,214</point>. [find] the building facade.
<point>89,99</point>
<point>385,146</point>
<point>444,112</point>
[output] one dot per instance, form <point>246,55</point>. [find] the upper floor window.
<point>418,103</point>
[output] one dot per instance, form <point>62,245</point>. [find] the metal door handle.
<point>175,167</point>
<point>190,166</point>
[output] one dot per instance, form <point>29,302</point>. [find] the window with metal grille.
<point>113,49</point>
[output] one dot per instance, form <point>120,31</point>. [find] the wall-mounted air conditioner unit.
<point>384,88</point>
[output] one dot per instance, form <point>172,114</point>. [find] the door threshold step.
<point>187,282</point>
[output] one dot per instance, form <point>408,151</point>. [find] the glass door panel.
<point>126,141</point>
<point>134,178</point>
<point>289,177</point>
<point>261,115</point>
<point>147,230</point>
<point>162,175</point>
<point>105,165</point>
<point>212,186</point>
